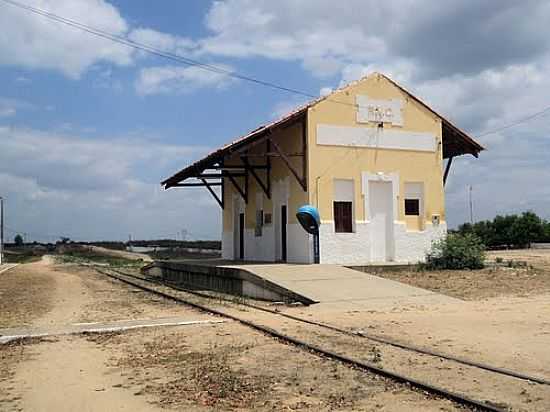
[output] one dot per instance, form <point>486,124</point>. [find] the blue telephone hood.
<point>309,218</point>
<point>312,211</point>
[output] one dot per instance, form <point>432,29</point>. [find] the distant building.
<point>370,156</point>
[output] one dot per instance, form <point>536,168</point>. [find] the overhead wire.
<point>209,67</point>
<point>517,122</point>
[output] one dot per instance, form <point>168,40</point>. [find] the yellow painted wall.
<point>290,141</point>
<point>329,162</point>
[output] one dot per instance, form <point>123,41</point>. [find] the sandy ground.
<point>121,253</point>
<point>67,373</point>
<point>201,367</point>
<point>479,284</point>
<point>505,331</point>
<point>539,258</point>
<point>229,367</point>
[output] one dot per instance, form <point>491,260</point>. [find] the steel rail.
<point>387,341</point>
<point>423,386</point>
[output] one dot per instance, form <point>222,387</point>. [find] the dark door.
<point>283,233</point>
<point>241,236</point>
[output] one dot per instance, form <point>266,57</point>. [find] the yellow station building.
<point>370,156</point>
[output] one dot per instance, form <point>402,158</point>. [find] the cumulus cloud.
<point>321,36</point>
<point>162,41</point>
<point>33,41</point>
<point>437,38</point>
<point>10,107</point>
<point>180,80</point>
<point>64,184</point>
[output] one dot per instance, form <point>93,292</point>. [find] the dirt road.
<point>69,373</point>
<point>197,368</point>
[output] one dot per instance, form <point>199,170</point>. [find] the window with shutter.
<point>343,217</point>
<point>412,207</point>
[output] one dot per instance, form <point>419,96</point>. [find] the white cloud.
<point>10,107</point>
<point>163,41</point>
<point>97,189</point>
<point>325,91</point>
<point>23,80</point>
<point>322,36</point>
<point>179,80</point>
<point>6,111</point>
<point>33,41</point>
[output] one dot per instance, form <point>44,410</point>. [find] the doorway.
<point>381,220</point>
<point>283,233</point>
<point>241,236</point>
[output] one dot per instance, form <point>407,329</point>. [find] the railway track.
<point>328,334</point>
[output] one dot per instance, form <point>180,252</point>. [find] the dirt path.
<point>69,373</point>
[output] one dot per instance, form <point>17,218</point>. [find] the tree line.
<point>510,231</point>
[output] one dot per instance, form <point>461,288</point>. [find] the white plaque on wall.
<point>372,110</point>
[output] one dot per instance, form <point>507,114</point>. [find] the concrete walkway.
<point>333,284</point>
<point>7,266</point>
<point>8,335</point>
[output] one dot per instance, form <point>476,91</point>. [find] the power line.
<point>153,50</point>
<point>209,67</point>
<point>517,122</point>
<point>167,55</point>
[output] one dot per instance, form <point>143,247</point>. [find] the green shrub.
<point>456,251</point>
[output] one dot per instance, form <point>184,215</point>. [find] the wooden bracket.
<point>447,169</point>
<point>208,186</point>
<point>264,186</point>
<point>196,184</point>
<point>284,157</point>
<point>243,193</point>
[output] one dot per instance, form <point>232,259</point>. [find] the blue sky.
<point>88,128</point>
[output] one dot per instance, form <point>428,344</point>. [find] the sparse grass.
<point>16,288</point>
<point>22,258</point>
<point>510,278</point>
<point>83,256</point>
<point>204,377</point>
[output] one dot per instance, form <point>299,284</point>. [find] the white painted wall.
<point>375,137</point>
<point>267,247</point>
<point>355,248</point>
<point>300,244</point>
<point>227,245</point>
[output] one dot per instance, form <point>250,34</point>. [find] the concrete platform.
<point>337,284</point>
<point>328,284</point>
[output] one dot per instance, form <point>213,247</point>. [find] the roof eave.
<point>218,155</point>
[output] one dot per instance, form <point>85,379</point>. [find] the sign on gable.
<point>372,110</point>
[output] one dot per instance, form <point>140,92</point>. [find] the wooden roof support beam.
<point>268,170</point>
<point>220,201</point>
<point>304,151</point>
<point>284,157</point>
<point>255,175</point>
<point>447,169</point>
<point>217,175</point>
<point>196,184</point>
<point>243,193</point>
<point>238,167</point>
<point>271,154</point>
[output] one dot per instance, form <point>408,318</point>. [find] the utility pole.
<point>471,207</point>
<point>1,230</point>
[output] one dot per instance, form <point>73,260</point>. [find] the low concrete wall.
<point>225,279</point>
